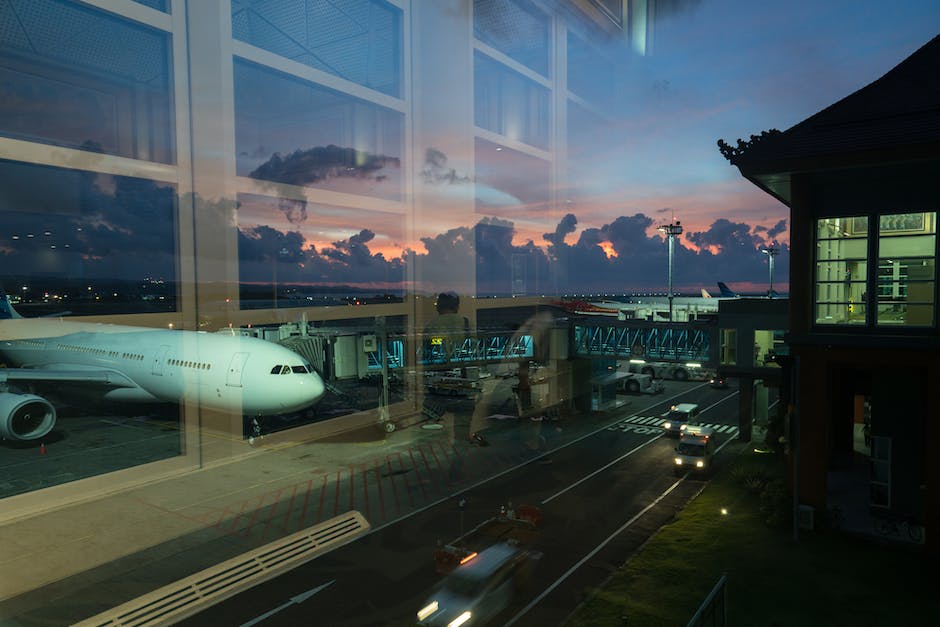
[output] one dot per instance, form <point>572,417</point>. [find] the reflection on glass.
<point>298,254</point>
<point>517,28</point>
<point>87,243</point>
<point>509,104</point>
<point>590,73</point>
<point>159,5</point>
<point>295,132</point>
<point>85,80</point>
<point>509,182</point>
<point>358,40</point>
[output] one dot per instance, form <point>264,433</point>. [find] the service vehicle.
<point>695,450</point>
<point>718,382</point>
<point>676,370</point>
<point>679,417</point>
<point>479,588</point>
<point>636,383</point>
<point>483,568</point>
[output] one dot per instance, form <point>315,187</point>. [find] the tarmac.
<point>70,563</point>
<point>67,564</point>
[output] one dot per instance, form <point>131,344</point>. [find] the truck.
<point>483,569</point>
<point>676,370</point>
<point>695,450</point>
<point>636,383</point>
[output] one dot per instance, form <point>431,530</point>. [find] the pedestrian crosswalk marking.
<point>627,423</point>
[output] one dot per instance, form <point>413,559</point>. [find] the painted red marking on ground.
<point>365,488</point>
<point>322,496</point>
<point>303,513</point>
<point>391,476</point>
<point>237,516</point>
<point>378,481</point>
<point>273,508</point>
<point>404,477</point>
<point>414,464</point>
<point>254,515</point>
<point>222,514</point>
<point>336,501</point>
<point>434,477</point>
<point>290,508</point>
<point>352,485</point>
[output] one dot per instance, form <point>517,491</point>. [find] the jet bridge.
<point>645,340</point>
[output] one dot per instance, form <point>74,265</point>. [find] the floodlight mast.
<point>771,252</point>
<point>671,231</point>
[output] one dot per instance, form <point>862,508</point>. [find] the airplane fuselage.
<point>133,364</point>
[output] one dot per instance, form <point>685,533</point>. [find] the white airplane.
<point>130,364</point>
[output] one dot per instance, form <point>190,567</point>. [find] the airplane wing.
<point>108,378</point>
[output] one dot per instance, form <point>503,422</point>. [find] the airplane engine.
<point>25,416</point>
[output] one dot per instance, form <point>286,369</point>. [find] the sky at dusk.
<point>336,198</point>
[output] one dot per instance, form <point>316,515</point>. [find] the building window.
<point>509,104</point>
<point>728,355</point>
<point>358,40</point>
<point>292,131</point>
<point>517,29</point>
<point>85,79</point>
<point>906,269</point>
<point>841,270</point>
<point>768,344</point>
<point>899,291</point>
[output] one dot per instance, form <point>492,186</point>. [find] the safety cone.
<point>42,448</point>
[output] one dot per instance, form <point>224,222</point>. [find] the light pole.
<point>771,252</point>
<point>671,231</point>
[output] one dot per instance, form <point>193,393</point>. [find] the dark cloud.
<point>314,165</point>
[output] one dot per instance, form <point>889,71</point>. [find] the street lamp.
<point>771,252</point>
<point>671,231</point>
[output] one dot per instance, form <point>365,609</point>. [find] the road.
<point>602,494</point>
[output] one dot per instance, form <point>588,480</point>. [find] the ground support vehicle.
<point>678,371</point>
<point>518,526</point>
<point>483,569</point>
<point>695,450</point>
<point>679,418</point>
<point>636,383</point>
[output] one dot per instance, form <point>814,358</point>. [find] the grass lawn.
<point>825,578</point>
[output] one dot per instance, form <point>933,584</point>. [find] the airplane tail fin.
<point>726,291</point>
<point>6,307</point>
<point>705,293</point>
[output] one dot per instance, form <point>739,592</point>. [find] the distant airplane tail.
<point>705,293</point>
<point>6,307</point>
<point>726,291</point>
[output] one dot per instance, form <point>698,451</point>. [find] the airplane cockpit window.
<point>276,369</point>
<point>300,369</point>
<point>285,369</point>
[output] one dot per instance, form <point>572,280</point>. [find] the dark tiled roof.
<point>902,108</point>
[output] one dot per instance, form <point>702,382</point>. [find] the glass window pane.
<point>840,313</point>
<point>159,5</point>
<point>507,103</point>
<point>842,249</point>
<point>516,28</point>
<point>293,253</point>
<point>295,132</point>
<point>85,80</point>
<point>842,228</point>
<point>100,244</point>
<point>906,268</point>
<point>590,73</point>
<point>358,40</point>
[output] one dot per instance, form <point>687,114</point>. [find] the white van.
<point>695,450</point>
<point>679,417</point>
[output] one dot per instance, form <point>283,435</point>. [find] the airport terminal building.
<point>260,168</point>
